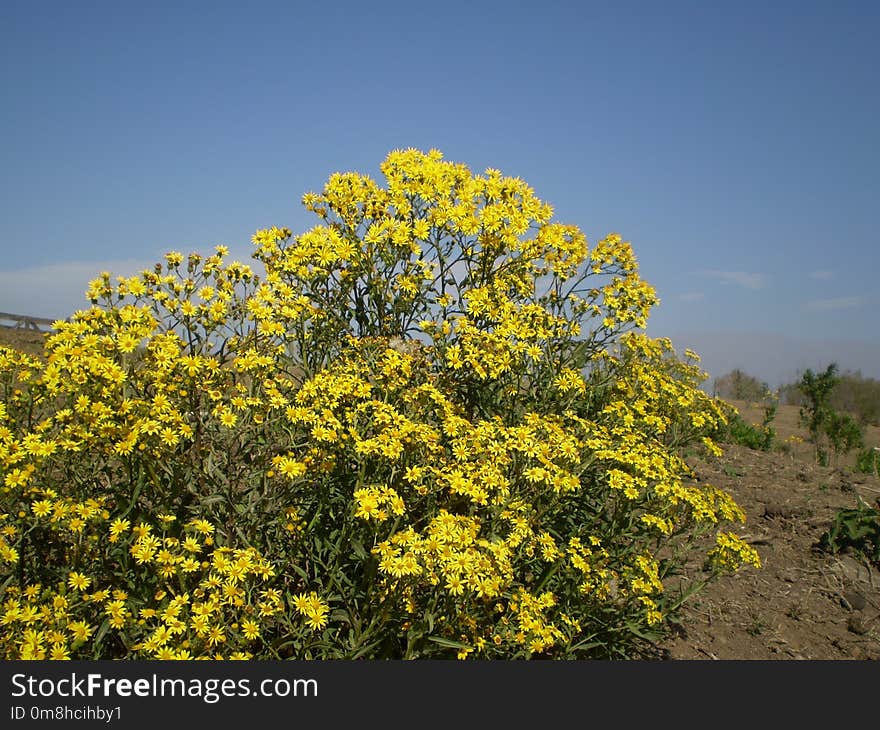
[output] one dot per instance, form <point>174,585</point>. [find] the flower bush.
<point>431,427</point>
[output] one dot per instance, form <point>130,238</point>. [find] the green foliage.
<point>843,432</point>
<point>752,436</point>
<point>745,434</point>
<point>827,427</point>
<point>868,461</point>
<point>854,529</point>
<point>858,395</point>
<point>817,390</point>
<point>852,393</point>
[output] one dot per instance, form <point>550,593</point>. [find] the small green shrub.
<point>745,434</point>
<point>854,529</point>
<point>844,433</point>
<point>852,393</point>
<point>752,436</point>
<point>815,410</point>
<point>827,427</point>
<point>868,461</point>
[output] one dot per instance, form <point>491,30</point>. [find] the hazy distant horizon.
<point>774,358</point>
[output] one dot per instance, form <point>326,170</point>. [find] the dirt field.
<point>803,603</point>
<point>29,341</point>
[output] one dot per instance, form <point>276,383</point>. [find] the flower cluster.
<point>433,427</point>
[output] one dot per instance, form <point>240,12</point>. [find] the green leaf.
<point>213,499</point>
<point>6,584</point>
<point>586,644</point>
<point>358,548</point>
<point>300,572</point>
<point>102,632</point>
<point>449,643</point>
<point>339,615</point>
<point>642,633</point>
<point>137,492</point>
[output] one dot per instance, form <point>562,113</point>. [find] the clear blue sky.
<point>734,144</point>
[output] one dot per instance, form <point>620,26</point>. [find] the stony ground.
<point>802,603</point>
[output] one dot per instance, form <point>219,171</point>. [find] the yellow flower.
<point>174,258</point>
<point>78,581</point>
<point>312,608</point>
<point>42,508</point>
<point>289,467</point>
<point>367,504</point>
<point>250,629</point>
<point>59,652</point>
<point>216,635</point>
<point>80,630</point>
<point>202,526</point>
<point>117,527</point>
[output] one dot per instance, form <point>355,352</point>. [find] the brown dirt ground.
<point>26,340</point>
<point>802,603</point>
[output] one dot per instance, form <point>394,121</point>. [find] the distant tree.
<point>824,423</point>
<point>859,396</point>
<point>851,393</point>
<point>816,411</point>
<point>737,385</point>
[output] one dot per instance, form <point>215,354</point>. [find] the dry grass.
<point>787,425</point>
<point>25,340</point>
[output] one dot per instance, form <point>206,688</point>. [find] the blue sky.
<point>734,144</point>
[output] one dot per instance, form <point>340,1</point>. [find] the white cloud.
<point>832,305</point>
<point>56,291</point>
<point>744,279</point>
<point>691,296</point>
<point>821,275</point>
